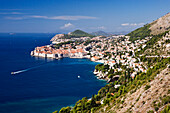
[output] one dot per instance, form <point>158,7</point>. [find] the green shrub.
<point>65,110</point>
<point>55,112</point>
<point>138,97</point>
<point>166,109</point>
<point>150,111</point>
<point>147,87</point>
<point>156,108</point>
<point>122,101</point>
<point>140,33</point>
<point>166,100</point>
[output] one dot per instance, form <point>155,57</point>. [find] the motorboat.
<point>12,73</point>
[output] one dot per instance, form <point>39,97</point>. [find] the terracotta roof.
<point>112,94</point>
<point>113,62</point>
<point>95,57</point>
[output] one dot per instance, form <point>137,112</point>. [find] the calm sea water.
<point>44,85</point>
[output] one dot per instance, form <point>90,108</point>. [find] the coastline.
<point>38,86</point>
<point>77,57</point>
<point>114,59</point>
<point>98,75</point>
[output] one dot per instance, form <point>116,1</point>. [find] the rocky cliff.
<point>160,25</point>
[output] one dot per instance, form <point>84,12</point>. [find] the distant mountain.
<point>100,33</point>
<point>156,27</point>
<point>79,33</point>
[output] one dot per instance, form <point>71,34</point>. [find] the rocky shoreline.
<point>104,76</point>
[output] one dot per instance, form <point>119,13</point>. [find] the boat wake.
<point>21,71</point>
<point>24,70</point>
<point>16,72</point>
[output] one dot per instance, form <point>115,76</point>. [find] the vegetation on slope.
<point>166,109</point>
<point>155,28</point>
<point>57,46</point>
<point>131,86</point>
<point>140,33</point>
<point>111,95</point>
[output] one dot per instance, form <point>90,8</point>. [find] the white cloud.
<point>67,26</point>
<point>125,24</point>
<point>37,16</point>
<point>12,13</point>
<point>132,24</point>
<point>54,17</point>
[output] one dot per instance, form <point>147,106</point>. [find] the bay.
<point>44,85</point>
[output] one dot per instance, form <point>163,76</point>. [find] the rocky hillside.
<point>151,96</point>
<point>156,27</point>
<point>160,25</point>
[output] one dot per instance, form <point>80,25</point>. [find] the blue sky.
<point>42,16</point>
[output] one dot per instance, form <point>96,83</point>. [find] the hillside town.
<point>111,51</point>
<point>136,67</point>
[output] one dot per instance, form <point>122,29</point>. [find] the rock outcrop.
<point>160,25</point>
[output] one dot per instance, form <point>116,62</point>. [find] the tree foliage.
<point>110,93</point>
<point>140,33</point>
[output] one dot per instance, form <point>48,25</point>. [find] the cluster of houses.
<point>60,38</point>
<point>164,42</point>
<point>49,52</point>
<point>107,50</point>
<point>119,53</point>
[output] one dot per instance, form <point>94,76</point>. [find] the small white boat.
<point>12,73</point>
<point>78,76</point>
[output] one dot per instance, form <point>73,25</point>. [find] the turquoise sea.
<point>43,85</point>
